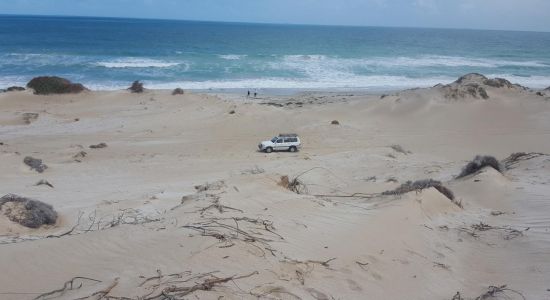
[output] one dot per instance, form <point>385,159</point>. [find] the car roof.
<point>288,135</point>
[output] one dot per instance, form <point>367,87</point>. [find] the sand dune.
<point>134,221</point>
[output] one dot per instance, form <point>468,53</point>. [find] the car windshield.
<point>273,140</point>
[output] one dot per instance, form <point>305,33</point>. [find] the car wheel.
<point>292,149</point>
<point>268,150</point>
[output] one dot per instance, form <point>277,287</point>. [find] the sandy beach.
<point>181,202</point>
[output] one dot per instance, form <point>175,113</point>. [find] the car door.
<point>280,144</point>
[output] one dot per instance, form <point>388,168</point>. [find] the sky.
<point>529,15</point>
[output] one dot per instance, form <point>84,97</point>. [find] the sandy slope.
<point>416,246</point>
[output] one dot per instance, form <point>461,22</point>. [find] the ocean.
<point>109,53</point>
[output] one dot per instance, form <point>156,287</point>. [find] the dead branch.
<point>44,182</point>
<point>160,276</point>
<point>67,286</point>
<point>103,292</point>
<point>324,263</point>
<point>495,291</point>
<point>457,296</point>
<point>224,232</point>
<point>80,214</point>
<point>508,233</point>
<point>354,195</point>
<point>207,285</point>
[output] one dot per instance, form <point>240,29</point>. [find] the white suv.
<point>282,142</point>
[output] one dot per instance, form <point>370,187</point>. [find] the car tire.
<point>268,150</point>
<point>292,149</point>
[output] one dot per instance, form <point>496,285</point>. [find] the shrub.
<point>35,164</point>
<point>27,212</point>
<point>177,91</point>
<point>479,163</point>
<point>294,185</point>
<point>399,149</point>
<point>137,87</point>
<point>54,85</point>
<point>98,146</point>
<point>335,122</point>
<point>419,185</point>
<point>15,89</point>
<point>28,118</point>
<point>498,82</point>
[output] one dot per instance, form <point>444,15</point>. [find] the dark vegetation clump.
<point>419,185</point>
<point>399,149</point>
<point>514,158</point>
<point>46,85</point>
<point>98,146</point>
<point>471,89</point>
<point>35,164</point>
<point>28,118</point>
<point>15,89</point>
<point>137,87</point>
<point>498,82</point>
<point>480,162</point>
<point>27,212</point>
<point>335,122</point>
<point>177,91</point>
<point>294,185</point>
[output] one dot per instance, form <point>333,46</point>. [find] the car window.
<point>279,141</point>
<point>273,140</point>
<point>288,140</point>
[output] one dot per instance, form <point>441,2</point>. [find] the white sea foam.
<point>136,63</point>
<point>404,61</point>
<point>232,56</point>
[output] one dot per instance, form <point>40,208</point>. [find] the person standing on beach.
<point>255,94</point>
<point>248,95</point>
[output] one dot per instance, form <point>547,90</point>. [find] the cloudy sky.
<point>484,14</point>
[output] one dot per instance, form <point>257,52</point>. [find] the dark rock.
<point>54,85</point>
<point>231,112</point>
<point>335,122</point>
<point>27,212</point>
<point>15,89</point>
<point>35,164</point>
<point>137,87</point>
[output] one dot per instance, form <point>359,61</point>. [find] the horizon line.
<point>267,23</point>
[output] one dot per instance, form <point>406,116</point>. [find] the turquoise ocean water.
<point>106,53</point>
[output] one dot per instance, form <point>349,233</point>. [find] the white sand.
<point>415,246</point>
